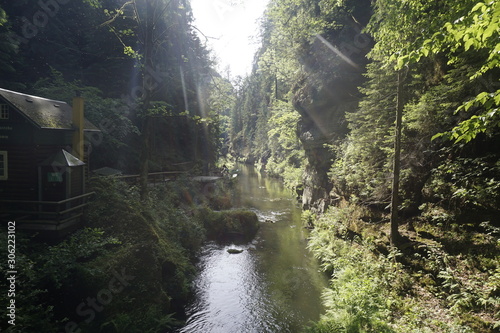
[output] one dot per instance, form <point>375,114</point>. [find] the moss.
<point>229,224</point>
<point>476,323</point>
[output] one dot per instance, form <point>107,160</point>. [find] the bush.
<point>229,224</point>
<point>466,183</point>
<point>433,291</point>
<point>48,273</point>
<point>156,240</point>
<point>357,298</point>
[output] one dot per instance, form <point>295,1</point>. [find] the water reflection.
<point>273,285</point>
<point>228,291</point>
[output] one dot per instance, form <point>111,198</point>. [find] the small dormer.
<point>61,177</point>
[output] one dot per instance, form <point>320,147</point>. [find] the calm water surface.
<point>273,286</point>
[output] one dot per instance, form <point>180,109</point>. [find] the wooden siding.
<point>22,183</point>
<point>76,181</point>
<point>22,176</point>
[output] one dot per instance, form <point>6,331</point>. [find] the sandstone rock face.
<point>333,66</point>
<point>322,108</point>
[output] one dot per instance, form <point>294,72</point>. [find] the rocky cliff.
<point>328,90</point>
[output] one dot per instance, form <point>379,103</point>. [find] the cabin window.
<point>4,111</point>
<point>3,165</point>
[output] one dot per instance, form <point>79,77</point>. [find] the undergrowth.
<point>153,243</point>
<point>421,287</point>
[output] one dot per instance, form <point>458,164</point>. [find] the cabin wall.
<point>16,138</point>
<point>23,161</point>
<point>22,182</point>
<point>77,181</point>
<point>27,146</point>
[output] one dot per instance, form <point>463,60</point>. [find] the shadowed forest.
<point>380,115</point>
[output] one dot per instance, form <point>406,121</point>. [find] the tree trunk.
<point>146,99</point>
<point>395,236</point>
<point>144,158</point>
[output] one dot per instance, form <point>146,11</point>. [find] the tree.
<point>395,26</point>
<point>9,47</point>
<point>164,44</point>
<point>476,31</point>
<point>395,236</point>
<point>150,29</point>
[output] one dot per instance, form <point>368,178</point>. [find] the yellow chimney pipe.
<point>78,124</point>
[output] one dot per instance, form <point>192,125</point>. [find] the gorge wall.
<point>327,91</point>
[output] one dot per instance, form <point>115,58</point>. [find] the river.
<point>273,286</point>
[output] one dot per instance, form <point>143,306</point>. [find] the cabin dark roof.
<point>45,113</point>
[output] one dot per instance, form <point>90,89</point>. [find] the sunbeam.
<point>337,51</point>
<point>184,92</point>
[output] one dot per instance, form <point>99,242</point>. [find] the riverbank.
<point>130,269</point>
<point>443,278</point>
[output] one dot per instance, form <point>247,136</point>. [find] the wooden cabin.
<point>42,161</point>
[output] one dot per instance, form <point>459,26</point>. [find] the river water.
<point>273,286</point>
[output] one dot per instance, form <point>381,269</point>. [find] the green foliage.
<point>287,156</point>
<point>477,31</point>
<point>94,3</point>
<point>110,115</point>
<point>156,240</point>
<point>372,292</point>
<point>363,167</point>
<point>282,126</point>
<point>9,47</point>
<point>47,270</point>
<point>3,17</point>
<point>363,163</point>
<point>466,183</point>
<point>221,100</point>
<point>33,312</point>
<point>447,52</point>
<point>485,122</point>
<point>250,116</point>
<point>178,226</point>
<point>472,295</point>
<point>297,53</point>
<point>222,225</point>
<point>358,299</point>
<point>398,26</point>
<point>435,87</point>
<point>308,218</point>
<point>71,253</point>
<point>81,47</point>
<point>154,320</point>
<point>159,215</point>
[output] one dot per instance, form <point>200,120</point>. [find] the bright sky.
<point>230,26</point>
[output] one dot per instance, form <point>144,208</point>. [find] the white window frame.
<point>5,174</point>
<point>4,112</point>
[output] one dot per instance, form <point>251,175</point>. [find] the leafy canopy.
<point>477,31</point>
